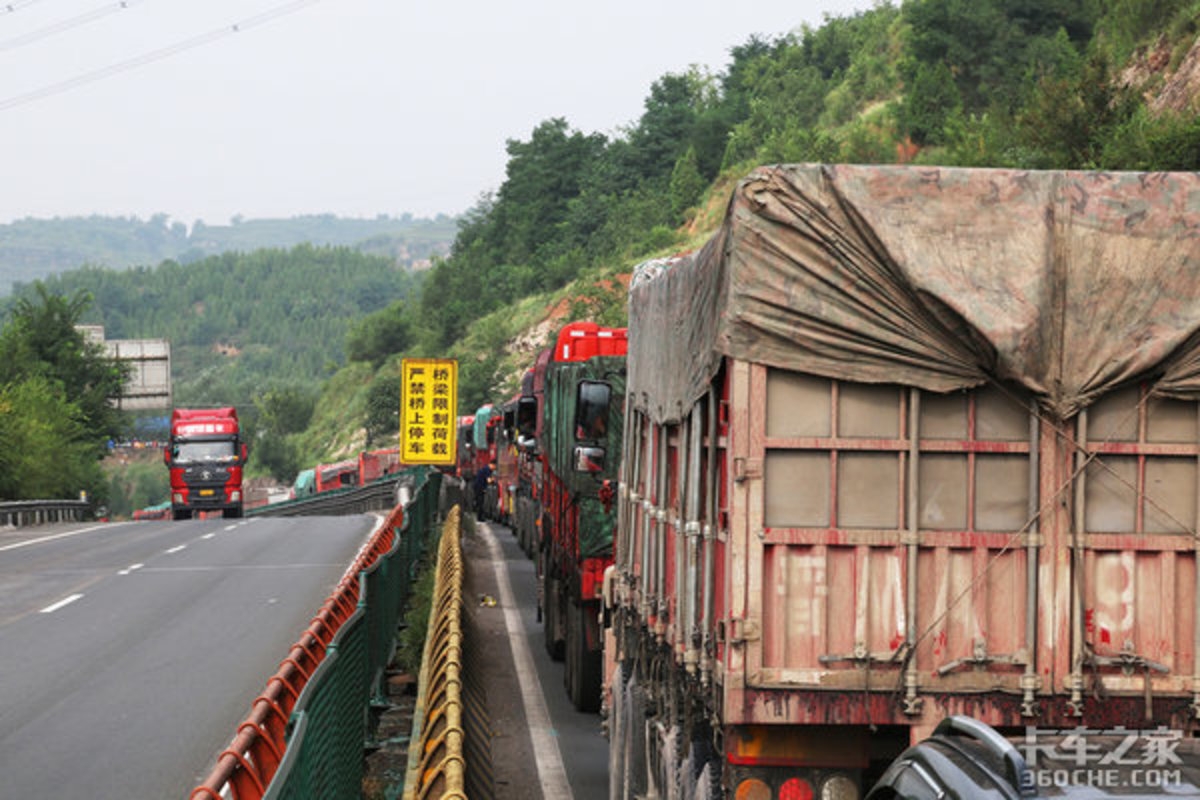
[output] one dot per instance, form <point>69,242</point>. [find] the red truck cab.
<point>205,456</point>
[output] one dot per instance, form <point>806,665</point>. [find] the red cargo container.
<point>905,443</point>
<point>374,464</point>
<point>339,475</point>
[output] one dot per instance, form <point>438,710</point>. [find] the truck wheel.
<point>232,513</point>
<point>550,617</point>
<point>583,665</point>
<point>617,723</point>
<point>636,782</point>
<point>181,513</point>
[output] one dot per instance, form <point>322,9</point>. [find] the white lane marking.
<point>52,537</point>
<point>131,568</point>
<point>551,772</point>
<point>229,527</point>
<point>177,548</point>
<point>66,601</point>
<point>208,536</point>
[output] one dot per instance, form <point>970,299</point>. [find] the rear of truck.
<point>931,449</point>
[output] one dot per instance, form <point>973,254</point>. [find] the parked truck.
<point>583,399</point>
<point>205,456</point>
<point>903,443</point>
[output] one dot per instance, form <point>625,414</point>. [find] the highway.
<point>129,652</point>
<point>543,747</point>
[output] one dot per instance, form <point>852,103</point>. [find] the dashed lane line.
<point>177,548</point>
<point>66,601</point>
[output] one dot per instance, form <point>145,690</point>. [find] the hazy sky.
<point>352,107</point>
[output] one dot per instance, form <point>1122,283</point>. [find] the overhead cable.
<point>16,5</point>
<point>66,25</point>
<point>155,55</point>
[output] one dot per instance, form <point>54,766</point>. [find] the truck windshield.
<point>203,451</point>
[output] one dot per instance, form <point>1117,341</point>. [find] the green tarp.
<point>562,380</point>
<point>1065,283</point>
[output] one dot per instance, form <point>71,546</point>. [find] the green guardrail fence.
<point>329,724</point>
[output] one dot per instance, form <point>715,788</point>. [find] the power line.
<point>65,25</point>
<point>155,55</point>
<point>16,5</point>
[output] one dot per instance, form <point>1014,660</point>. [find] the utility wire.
<point>155,55</point>
<point>65,25</point>
<point>16,5</point>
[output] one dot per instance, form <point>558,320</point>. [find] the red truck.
<point>205,456</point>
<point>905,443</point>
<point>584,396</point>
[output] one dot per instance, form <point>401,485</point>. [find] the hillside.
<point>31,249</point>
<point>1053,84</point>
<point>241,324</point>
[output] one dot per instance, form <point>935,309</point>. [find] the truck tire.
<point>232,513</point>
<point>551,613</point>
<point>636,782</point>
<point>582,674</point>
<point>180,514</point>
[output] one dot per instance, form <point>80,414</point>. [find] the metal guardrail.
<point>38,512</point>
<point>376,496</point>
<point>305,733</point>
<point>437,766</point>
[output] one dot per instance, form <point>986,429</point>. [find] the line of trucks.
<point>898,443</point>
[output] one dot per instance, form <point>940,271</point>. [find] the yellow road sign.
<point>428,405</point>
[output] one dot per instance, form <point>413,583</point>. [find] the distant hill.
<point>241,323</point>
<point>32,249</point>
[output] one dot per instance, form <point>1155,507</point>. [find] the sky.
<point>351,107</point>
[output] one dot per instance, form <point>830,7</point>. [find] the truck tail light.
<point>839,787</point>
<point>796,789</point>
<point>752,789</point>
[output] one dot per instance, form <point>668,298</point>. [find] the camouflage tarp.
<point>562,381</point>
<point>1066,283</point>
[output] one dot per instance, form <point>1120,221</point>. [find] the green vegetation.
<point>1025,84</point>
<point>240,324</point>
<point>32,249</point>
<point>54,390</point>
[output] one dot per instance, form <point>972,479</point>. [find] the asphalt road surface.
<point>542,746</point>
<point>129,652</point>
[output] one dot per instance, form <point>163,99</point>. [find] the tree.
<point>42,340</point>
<point>48,452</point>
<point>931,98</point>
<point>383,411</point>
<point>686,183</point>
<point>379,335</point>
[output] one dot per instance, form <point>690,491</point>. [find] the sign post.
<point>428,405</point>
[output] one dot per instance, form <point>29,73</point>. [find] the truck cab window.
<point>591,410</point>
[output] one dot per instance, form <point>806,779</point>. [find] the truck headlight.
<point>235,496</point>
<point>839,787</point>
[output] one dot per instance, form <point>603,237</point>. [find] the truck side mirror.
<point>589,459</point>
<point>527,416</point>
<point>245,452</point>
<point>167,455</point>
